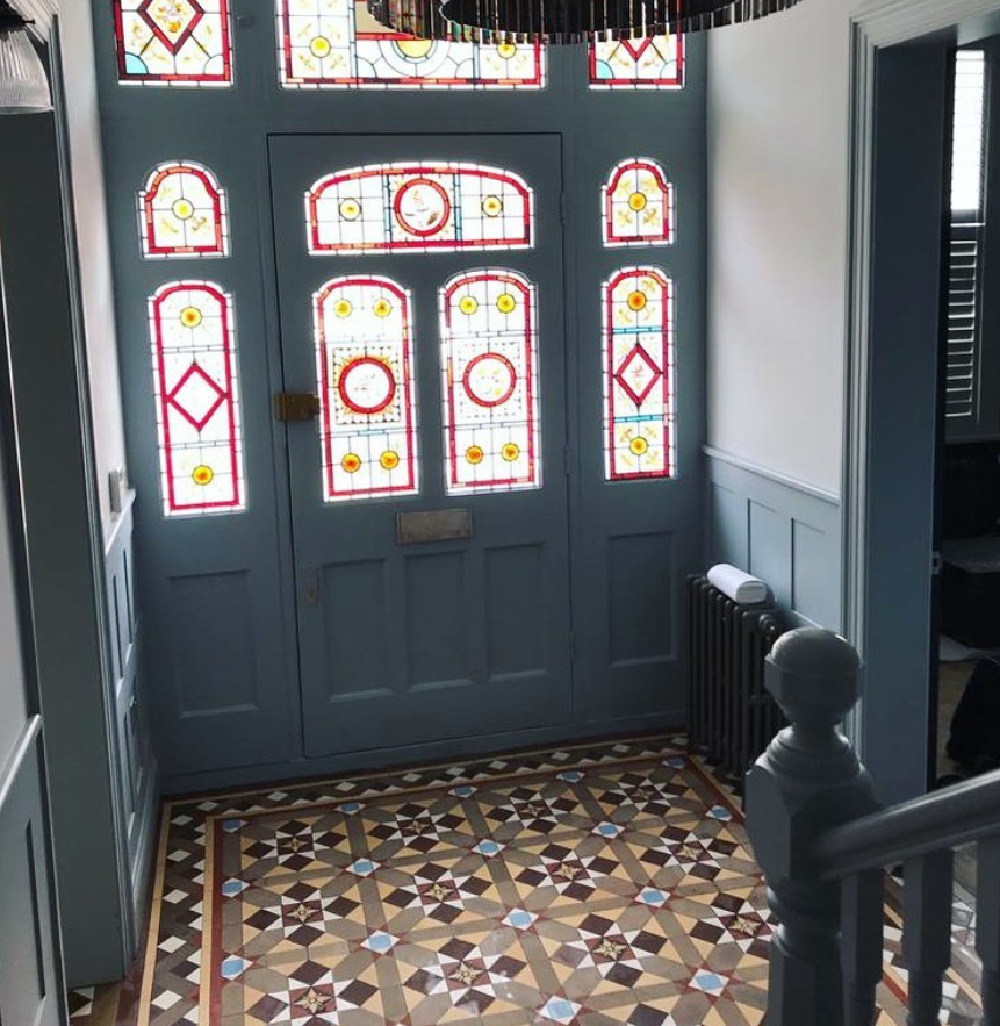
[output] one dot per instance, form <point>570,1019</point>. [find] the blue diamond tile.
<point>520,919</point>
<point>720,812</point>
<point>363,867</point>
<point>653,896</point>
<point>230,826</point>
<point>488,848</point>
<point>571,776</point>
<point>462,792</point>
<point>232,887</point>
<point>349,808</point>
<point>380,942</point>
<point>608,829</point>
<point>710,983</point>
<point>234,966</point>
<point>560,1010</point>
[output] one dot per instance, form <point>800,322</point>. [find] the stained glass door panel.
<point>424,358</point>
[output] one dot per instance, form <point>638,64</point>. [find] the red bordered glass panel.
<point>638,205</point>
<point>425,207</point>
<point>182,213</point>
<point>338,44</point>
<point>364,360</point>
<point>638,375</point>
<point>197,400</point>
<point>656,62</point>
<point>489,360</point>
<point>173,42</point>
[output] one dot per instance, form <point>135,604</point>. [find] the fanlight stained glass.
<point>197,399</point>
<point>364,360</point>
<point>173,42</point>
<point>489,359</point>
<point>337,43</point>
<point>638,205</point>
<point>638,375</point>
<point>182,213</point>
<point>655,62</point>
<point>419,206</point>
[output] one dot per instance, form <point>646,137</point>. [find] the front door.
<point>420,289</point>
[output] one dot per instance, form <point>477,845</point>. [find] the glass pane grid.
<point>639,375</point>
<point>489,361</point>
<point>638,205</point>
<point>422,207</point>
<point>368,423</point>
<point>173,42</point>
<point>196,390</point>
<point>656,62</point>
<point>183,213</point>
<point>337,44</point>
<point>968,154</point>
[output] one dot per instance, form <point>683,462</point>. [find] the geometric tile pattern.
<point>609,884</point>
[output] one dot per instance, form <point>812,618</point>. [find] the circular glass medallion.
<point>320,46</point>
<point>343,308</point>
<point>389,460</point>
<point>468,305</point>
<point>474,454</point>
<point>366,385</point>
<point>350,209</point>
<point>183,209</point>
<point>506,303</point>
<point>639,446</point>
<point>636,301</point>
<point>637,201</point>
<point>492,206</point>
<point>510,452</point>
<point>382,308</point>
<point>507,50</point>
<point>203,475</point>
<point>190,317</point>
<point>422,207</point>
<point>351,463</point>
<point>489,379</point>
<point>414,49</point>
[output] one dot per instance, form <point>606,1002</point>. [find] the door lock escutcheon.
<point>296,406</point>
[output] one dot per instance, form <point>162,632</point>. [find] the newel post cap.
<point>813,674</point>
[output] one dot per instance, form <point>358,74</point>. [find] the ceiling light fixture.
<point>563,21</point>
<point>23,82</point>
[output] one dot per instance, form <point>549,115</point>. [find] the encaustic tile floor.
<point>600,885</point>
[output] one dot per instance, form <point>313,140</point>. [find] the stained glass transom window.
<point>337,43</point>
<point>197,399</point>
<point>638,205</point>
<point>173,42</point>
<point>638,375</point>
<point>419,206</point>
<point>489,359</point>
<point>365,371</point>
<point>656,62</point>
<point>182,213</point>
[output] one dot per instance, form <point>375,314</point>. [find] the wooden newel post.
<point>807,781</point>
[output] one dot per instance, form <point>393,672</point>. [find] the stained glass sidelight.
<point>638,375</point>
<point>337,43</point>
<point>419,206</point>
<point>638,205</point>
<point>197,400</point>
<point>173,42</point>
<point>489,360</point>
<point>656,62</point>
<point>182,213</point>
<point>364,359</point>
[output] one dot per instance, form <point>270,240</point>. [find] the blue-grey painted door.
<point>402,643</point>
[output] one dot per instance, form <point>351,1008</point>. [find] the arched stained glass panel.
<point>364,361</point>
<point>656,62</point>
<point>638,205</point>
<point>182,213</point>
<point>638,375</point>
<point>338,44</point>
<point>173,42</point>
<point>197,399</point>
<point>419,206</point>
<point>489,359</point>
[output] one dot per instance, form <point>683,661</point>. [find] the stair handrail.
<point>823,841</point>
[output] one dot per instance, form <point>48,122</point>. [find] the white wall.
<point>91,224</point>
<point>778,134</point>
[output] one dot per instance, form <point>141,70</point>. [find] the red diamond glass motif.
<point>171,21</point>
<point>203,397</point>
<point>638,374</point>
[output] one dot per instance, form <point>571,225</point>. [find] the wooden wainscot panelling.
<point>30,977</point>
<point>786,532</point>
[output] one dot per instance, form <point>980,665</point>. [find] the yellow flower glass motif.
<point>492,206</point>
<point>638,446</point>
<point>636,301</point>
<point>351,463</point>
<point>474,454</point>
<point>203,475</point>
<point>389,460</point>
<point>343,308</point>
<point>320,46</point>
<point>382,308</point>
<point>506,303</point>
<point>182,209</point>
<point>350,209</point>
<point>507,50</point>
<point>637,201</point>
<point>190,317</point>
<point>510,452</point>
<point>468,305</point>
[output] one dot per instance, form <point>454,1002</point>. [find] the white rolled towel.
<point>739,586</point>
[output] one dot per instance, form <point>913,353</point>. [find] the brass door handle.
<point>295,406</point>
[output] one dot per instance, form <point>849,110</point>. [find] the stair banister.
<point>823,843</point>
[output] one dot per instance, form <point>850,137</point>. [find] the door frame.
<point>893,637</point>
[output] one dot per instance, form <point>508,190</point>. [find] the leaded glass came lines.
<point>489,358</point>
<point>653,63</point>
<point>182,213</point>
<point>637,205</point>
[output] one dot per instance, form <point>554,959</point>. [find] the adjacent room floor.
<point>592,886</point>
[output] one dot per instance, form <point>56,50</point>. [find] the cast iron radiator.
<point>731,717</point>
